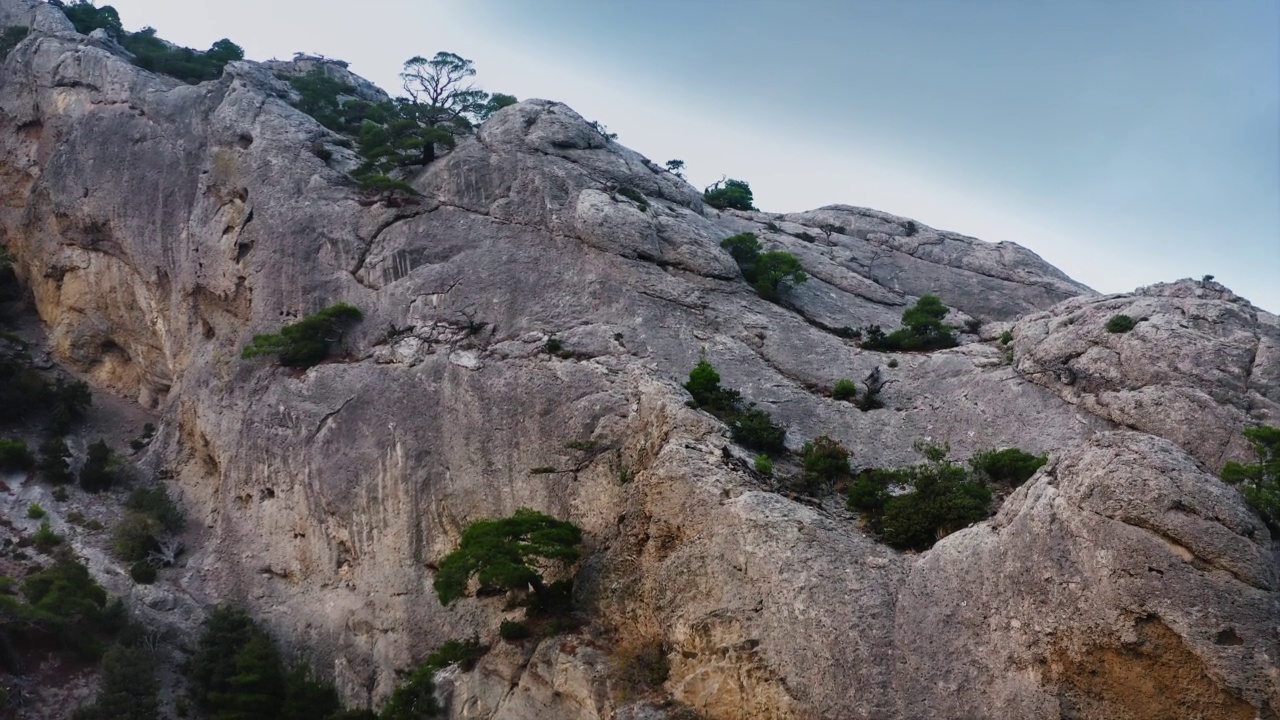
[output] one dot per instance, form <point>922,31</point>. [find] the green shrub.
<point>307,342</point>
<point>413,699</point>
<point>553,345</point>
<point>46,538</point>
<point>129,690</point>
<point>940,498</point>
<point>893,363</point>
<point>634,196</point>
<point>826,458</point>
<point>1260,482</point>
<point>14,455</point>
<point>1011,466</point>
<point>502,554</point>
<point>922,329</point>
<point>10,38</point>
<point>514,631</point>
<point>463,653</point>
<point>1121,324</point>
<point>766,271</point>
<point>64,601</point>
<point>135,536</point>
<point>754,429</point>
<point>844,389</point>
<point>1006,337</point>
<point>155,502</point>
<point>143,572</point>
<point>729,194</point>
<point>35,512</point>
<point>764,465</point>
<point>97,473</point>
<point>54,465</point>
<point>60,494</point>
<point>704,386</point>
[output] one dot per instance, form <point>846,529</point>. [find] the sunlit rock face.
<point>160,225</point>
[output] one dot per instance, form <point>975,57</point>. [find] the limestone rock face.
<point>160,225</point>
<point>1198,366</point>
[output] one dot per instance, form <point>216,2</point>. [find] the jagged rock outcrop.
<point>160,225</point>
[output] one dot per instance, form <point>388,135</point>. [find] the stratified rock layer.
<point>160,225</point>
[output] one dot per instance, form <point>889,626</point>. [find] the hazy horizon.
<point>1126,144</point>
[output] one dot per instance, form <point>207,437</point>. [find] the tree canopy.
<point>922,329</point>
<point>766,271</point>
<point>729,194</point>
<point>1260,482</point>
<point>308,341</point>
<point>502,554</point>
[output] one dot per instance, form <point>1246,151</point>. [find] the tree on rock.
<point>308,341</point>
<point>922,329</point>
<point>1260,482</point>
<point>502,554</point>
<point>729,194</point>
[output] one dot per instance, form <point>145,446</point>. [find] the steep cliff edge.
<point>159,225</point>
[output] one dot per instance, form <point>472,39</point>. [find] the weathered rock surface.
<point>160,225</point>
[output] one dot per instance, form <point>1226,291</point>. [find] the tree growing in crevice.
<point>307,342</point>
<point>504,555</point>
<point>766,271</point>
<point>922,329</point>
<point>729,195</point>
<point>751,427</point>
<point>1260,482</point>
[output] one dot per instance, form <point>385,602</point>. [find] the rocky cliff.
<point>159,225</point>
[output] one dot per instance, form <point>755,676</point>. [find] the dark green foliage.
<point>972,326</point>
<point>766,271</point>
<point>46,538</point>
<point>1010,467</point>
<point>634,196</point>
<point>150,52</point>
<point>922,329</point>
<point>1260,482</point>
<point>729,194</point>
<point>237,674</point>
<point>463,653</point>
<point>26,393</point>
<point>54,465</point>
<point>415,698</point>
<point>86,18</point>
<point>321,97</point>
<point>64,604</point>
<point>940,498</point>
<point>10,38</point>
<point>97,474</point>
<point>14,455</point>
<point>912,228</point>
<point>826,462</point>
<point>143,572</point>
<point>60,494</point>
<point>135,536</point>
<point>1006,337</point>
<point>1121,324</point>
<point>306,698</point>
<point>754,429</point>
<point>704,386</point>
<point>155,503</point>
<point>514,631</point>
<point>844,389</point>
<point>553,345</point>
<point>35,512</point>
<point>496,102</point>
<point>675,167</point>
<point>501,554</point>
<point>307,342</point>
<point>190,66</point>
<point>603,130</point>
<point>129,688</point>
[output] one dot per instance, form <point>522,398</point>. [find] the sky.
<point>1126,143</point>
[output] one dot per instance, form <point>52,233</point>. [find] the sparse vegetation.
<point>1006,337</point>
<point>634,196</point>
<point>35,512</point>
<point>99,471</point>
<point>912,507</point>
<point>129,690</point>
<point>514,631</point>
<point>922,329</point>
<point>14,455</point>
<point>826,463</point>
<point>1010,467</point>
<point>675,167</point>
<point>150,52</point>
<point>307,342</point>
<point>844,389</point>
<point>764,465</point>
<point>54,465</point>
<point>1260,482</point>
<point>729,195</point>
<point>766,271</point>
<point>11,37</point>
<point>502,554</point>
<point>45,538</point>
<point>1119,324</point>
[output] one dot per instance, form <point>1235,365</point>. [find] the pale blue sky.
<point>1127,142</point>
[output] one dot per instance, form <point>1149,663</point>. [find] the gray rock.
<point>161,225</point>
